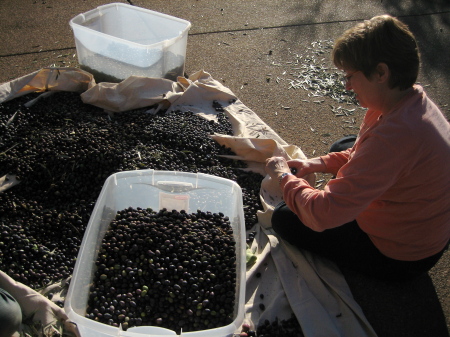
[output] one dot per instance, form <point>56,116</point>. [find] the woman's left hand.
<point>276,166</point>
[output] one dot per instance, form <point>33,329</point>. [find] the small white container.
<point>157,190</point>
<point>118,40</point>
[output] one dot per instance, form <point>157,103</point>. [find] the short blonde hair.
<point>382,39</point>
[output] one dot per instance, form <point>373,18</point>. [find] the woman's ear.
<point>382,72</point>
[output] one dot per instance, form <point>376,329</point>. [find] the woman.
<point>387,212</point>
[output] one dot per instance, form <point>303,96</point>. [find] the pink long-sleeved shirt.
<point>395,182</point>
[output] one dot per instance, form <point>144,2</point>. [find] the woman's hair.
<point>382,39</point>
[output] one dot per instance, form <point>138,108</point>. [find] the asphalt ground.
<point>256,49</point>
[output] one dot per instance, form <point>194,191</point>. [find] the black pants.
<point>347,245</point>
<point>10,314</point>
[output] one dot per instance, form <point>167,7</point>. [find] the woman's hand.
<point>276,166</point>
<point>307,166</point>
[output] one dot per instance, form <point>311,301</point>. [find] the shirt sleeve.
<point>335,160</point>
<point>368,173</point>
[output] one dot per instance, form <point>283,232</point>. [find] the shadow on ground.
<point>413,308</point>
<point>428,20</point>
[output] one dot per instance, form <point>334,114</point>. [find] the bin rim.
<point>77,25</point>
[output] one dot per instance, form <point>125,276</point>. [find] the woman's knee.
<point>280,216</point>
<point>288,226</point>
<point>343,144</point>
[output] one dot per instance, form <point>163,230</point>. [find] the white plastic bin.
<point>118,40</point>
<point>157,190</point>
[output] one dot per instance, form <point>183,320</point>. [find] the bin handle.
<point>174,186</point>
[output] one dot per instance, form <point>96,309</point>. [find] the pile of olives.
<point>280,328</point>
<point>167,268</point>
<point>62,151</point>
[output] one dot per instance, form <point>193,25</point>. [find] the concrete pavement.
<point>251,47</point>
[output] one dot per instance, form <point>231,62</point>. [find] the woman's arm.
<point>307,166</point>
<point>335,160</point>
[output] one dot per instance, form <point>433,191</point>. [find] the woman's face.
<point>365,89</point>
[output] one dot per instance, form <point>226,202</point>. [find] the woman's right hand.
<point>307,166</point>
